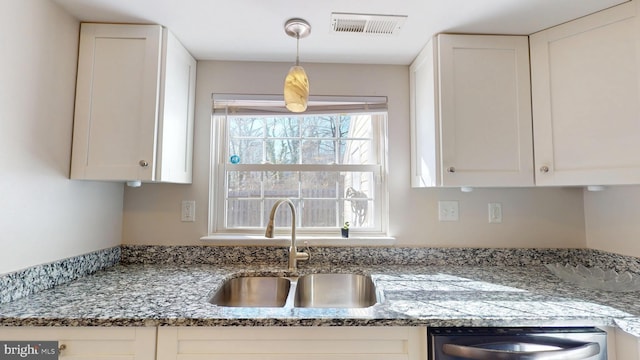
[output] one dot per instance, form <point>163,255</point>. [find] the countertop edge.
<point>349,322</point>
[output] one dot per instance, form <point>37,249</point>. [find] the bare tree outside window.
<point>329,165</point>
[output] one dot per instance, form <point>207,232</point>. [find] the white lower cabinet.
<point>627,346</point>
<point>317,343</point>
<point>90,343</point>
<point>256,343</point>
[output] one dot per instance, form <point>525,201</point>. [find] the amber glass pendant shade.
<point>296,89</point>
<point>296,84</point>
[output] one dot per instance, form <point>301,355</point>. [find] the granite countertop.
<point>176,295</point>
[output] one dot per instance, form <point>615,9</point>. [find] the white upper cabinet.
<point>586,100</point>
<point>134,105</point>
<point>471,112</point>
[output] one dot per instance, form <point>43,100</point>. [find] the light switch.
<point>495,213</point>
<point>188,211</point>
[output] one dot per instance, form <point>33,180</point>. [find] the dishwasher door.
<point>517,344</point>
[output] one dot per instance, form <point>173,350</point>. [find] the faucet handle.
<point>306,244</point>
<point>301,255</point>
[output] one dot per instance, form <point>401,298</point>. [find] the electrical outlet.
<point>188,211</point>
<point>495,213</point>
<point>447,210</point>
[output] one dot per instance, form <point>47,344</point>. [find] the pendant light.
<point>296,84</point>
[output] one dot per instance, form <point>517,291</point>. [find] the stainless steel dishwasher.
<point>517,343</point>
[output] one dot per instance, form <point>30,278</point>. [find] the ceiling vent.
<point>346,23</point>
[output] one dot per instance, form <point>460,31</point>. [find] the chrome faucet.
<point>294,255</point>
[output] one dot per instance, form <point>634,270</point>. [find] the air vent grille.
<point>367,24</point>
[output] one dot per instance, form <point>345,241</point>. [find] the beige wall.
<point>532,217</point>
<point>613,220</point>
<point>44,216</point>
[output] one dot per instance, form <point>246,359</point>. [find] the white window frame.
<point>217,181</point>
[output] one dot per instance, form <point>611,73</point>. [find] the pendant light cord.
<point>297,49</point>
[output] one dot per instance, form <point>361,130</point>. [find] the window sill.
<point>259,240</point>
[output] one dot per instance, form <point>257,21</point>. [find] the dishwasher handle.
<point>474,353</point>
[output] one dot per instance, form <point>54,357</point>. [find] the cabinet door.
<point>175,135</point>
<point>586,100</point>
<point>125,343</point>
<point>293,343</point>
<point>485,110</point>
<point>471,112</point>
<point>116,102</point>
<point>627,346</point>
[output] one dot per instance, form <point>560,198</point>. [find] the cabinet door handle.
<point>451,169</point>
<point>544,169</point>
<point>143,163</point>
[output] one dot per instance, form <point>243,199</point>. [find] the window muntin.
<point>331,165</point>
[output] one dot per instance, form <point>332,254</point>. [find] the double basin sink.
<point>307,291</point>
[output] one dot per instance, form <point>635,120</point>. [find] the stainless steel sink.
<point>307,291</point>
<point>335,291</point>
<point>253,291</point>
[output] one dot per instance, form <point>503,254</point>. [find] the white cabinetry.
<point>586,100</point>
<point>318,343</point>
<point>134,105</point>
<point>471,112</point>
<point>627,346</point>
<point>124,343</point>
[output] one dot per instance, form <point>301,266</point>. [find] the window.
<point>329,161</point>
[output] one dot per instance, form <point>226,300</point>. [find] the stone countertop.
<point>176,295</point>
